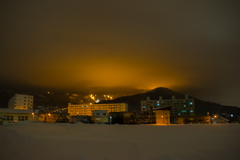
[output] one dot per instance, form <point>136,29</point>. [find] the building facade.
<point>87,109</point>
<point>178,106</point>
<point>17,115</point>
<point>163,116</point>
<point>191,120</point>
<point>21,101</point>
<point>100,116</point>
<point>122,117</point>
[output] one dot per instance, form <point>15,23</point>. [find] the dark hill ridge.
<point>201,107</point>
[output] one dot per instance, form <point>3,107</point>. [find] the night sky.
<point>122,45</point>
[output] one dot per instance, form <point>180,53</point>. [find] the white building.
<point>178,106</point>
<point>21,101</point>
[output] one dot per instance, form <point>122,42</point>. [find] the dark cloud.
<point>190,46</point>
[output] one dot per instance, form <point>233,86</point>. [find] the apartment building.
<point>21,101</point>
<point>87,109</point>
<point>179,107</point>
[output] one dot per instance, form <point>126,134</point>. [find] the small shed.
<point>100,116</point>
<point>163,115</point>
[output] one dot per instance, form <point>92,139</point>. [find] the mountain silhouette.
<point>201,107</point>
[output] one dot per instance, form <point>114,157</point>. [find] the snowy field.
<point>45,141</point>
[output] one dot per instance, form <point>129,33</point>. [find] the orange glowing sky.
<point>191,47</point>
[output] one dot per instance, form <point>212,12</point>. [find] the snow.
<point>46,141</point>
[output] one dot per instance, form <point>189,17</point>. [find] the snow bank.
<point>35,141</point>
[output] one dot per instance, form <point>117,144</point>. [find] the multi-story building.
<point>87,109</point>
<point>178,106</point>
<point>21,101</point>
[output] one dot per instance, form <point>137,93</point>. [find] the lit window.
<point>184,105</point>
<point>144,107</point>
<point>190,103</point>
<point>231,115</point>
<point>191,110</point>
<point>183,110</point>
<point>157,101</point>
<point>179,114</point>
<point>158,104</point>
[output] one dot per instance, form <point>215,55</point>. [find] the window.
<point>179,114</point>
<point>190,103</point>
<point>97,114</point>
<point>11,118</point>
<point>26,118</point>
<point>8,117</point>
<point>191,110</point>
<point>158,104</point>
<point>104,114</point>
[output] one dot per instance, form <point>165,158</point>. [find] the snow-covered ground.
<point>45,141</point>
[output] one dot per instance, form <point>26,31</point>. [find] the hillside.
<point>134,102</point>
<point>201,107</point>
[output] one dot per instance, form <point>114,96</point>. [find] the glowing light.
<point>49,114</point>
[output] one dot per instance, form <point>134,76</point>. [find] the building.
<point>87,109</point>
<point>179,107</point>
<point>78,118</point>
<point>158,116</point>
<point>100,116</point>
<point>163,115</point>
<point>21,101</point>
<point>147,117</point>
<point>191,120</point>
<point>17,115</point>
<point>122,117</point>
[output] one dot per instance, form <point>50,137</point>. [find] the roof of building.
<point>10,110</point>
